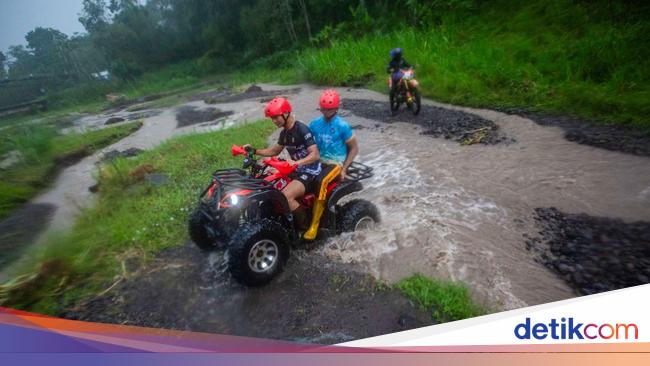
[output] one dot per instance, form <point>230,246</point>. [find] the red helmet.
<point>329,99</point>
<point>277,106</point>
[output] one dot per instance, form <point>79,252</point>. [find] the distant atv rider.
<point>396,64</point>
<point>337,146</point>
<point>299,142</point>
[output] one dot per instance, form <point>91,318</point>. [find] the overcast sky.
<point>18,17</point>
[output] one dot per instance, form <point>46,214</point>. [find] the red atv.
<point>245,212</point>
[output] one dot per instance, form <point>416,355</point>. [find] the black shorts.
<point>307,180</point>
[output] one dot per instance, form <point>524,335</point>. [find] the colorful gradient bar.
<point>27,338</point>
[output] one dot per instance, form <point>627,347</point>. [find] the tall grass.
<point>553,55</point>
<point>131,221</point>
<point>447,301</point>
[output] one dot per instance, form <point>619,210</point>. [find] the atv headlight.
<point>234,199</point>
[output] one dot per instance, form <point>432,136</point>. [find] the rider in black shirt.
<point>299,142</point>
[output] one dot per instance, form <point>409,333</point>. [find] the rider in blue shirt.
<point>336,142</point>
<point>337,146</point>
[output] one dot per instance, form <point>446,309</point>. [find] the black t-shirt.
<point>296,140</point>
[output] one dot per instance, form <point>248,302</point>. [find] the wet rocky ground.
<point>629,140</point>
<point>462,127</point>
<point>145,114</point>
<point>189,115</point>
<point>592,254</point>
<point>226,96</point>
<point>111,155</point>
<point>313,300</point>
<point>22,226</point>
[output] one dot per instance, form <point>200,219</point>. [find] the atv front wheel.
<point>198,233</point>
<point>358,215</point>
<point>394,101</point>
<point>257,252</point>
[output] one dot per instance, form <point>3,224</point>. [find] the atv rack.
<point>229,179</point>
<point>237,178</point>
<point>358,171</point>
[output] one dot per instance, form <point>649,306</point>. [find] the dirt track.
<point>313,300</point>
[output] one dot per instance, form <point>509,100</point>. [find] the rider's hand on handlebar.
<point>248,148</point>
<point>292,162</point>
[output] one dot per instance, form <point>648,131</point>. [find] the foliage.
<point>447,301</point>
<point>543,56</point>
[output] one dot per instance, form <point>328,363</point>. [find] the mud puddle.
<point>625,139</point>
<point>252,92</point>
<point>437,122</point>
<point>313,300</point>
<point>190,115</point>
<point>103,120</point>
<point>592,254</point>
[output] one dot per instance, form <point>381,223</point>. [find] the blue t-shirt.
<point>331,137</point>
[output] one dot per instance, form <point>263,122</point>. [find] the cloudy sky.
<point>18,17</point>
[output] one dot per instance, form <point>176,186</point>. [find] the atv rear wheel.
<point>257,252</point>
<point>358,214</point>
<point>198,233</point>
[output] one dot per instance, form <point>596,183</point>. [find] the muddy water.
<point>461,212</point>
<point>449,211</point>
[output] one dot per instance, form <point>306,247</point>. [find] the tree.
<point>3,59</point>
<point>22,64</point>
<point>288,20</point>
<point>306,17</point>
<point>94,15</point>
<point>49,49</point>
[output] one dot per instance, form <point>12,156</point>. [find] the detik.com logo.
<point>568,328</point>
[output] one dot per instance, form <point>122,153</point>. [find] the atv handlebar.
<point>280,165</point>
<point>238,150</point>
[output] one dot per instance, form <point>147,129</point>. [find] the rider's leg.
<point>292,191</point>
<point>396,76</point>
<point>319,206</point>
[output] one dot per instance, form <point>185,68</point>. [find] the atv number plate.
<point>280,184</point>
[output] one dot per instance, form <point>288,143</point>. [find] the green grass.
<point>42,152</point>
<point>175,76</point>
<point>554,55</point>
<point>132,220</point>
<point>447,301</point>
